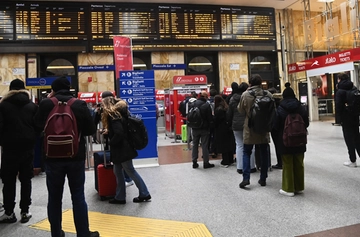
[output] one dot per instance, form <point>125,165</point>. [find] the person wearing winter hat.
<point>72,168</point>
<point>348,119</point>
<point>17,113</point>
<point>292,157</point>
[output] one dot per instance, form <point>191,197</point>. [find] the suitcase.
<point>184,133</point>
<point>105,180</point>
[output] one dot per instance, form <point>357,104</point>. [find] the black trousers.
<point>13,164</point>
<point>350,128</point>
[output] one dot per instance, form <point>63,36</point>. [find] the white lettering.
<point>344,54</point>
<point>345,59</point>
<point>330,60</point>
<point>292,68</point>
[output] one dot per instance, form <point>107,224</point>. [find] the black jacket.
<point>342,114</point>
<point>234,117</point>
<point>224,136</point>
<point>206,113</point>
<point>17,127</point>
<point>287,106</point>
<point>85,122</point>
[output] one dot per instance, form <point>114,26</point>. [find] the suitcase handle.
<point>102,147</point>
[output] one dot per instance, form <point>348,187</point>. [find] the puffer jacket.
<point>246,102</point>
<point>233,116</point>
<point>206,113</point>
<point>85,122</point>
<point>342,114</point>
<point>17,127</point>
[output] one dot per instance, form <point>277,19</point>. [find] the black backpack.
<point>262,113</point>
<point>194,118</point>
<point>137,132</point>
<point>182,107</point>
<point>353,101</point>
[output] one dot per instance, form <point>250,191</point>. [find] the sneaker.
<point>142,199</point>
<point>128,184</point>
<point>299,192</point>
<point>94,234</point>
<point>262,182</point>
<point>8,218</point>
<point>244,183</point>
<point>253,170</point>
<point>1,207</point>
<point>224,166</point>
<point>286,193</point>
<point>350,164</point>
<point>240,171</point>
<point>195,165</point>
<point>208,165</point>
<point>277,166</point>
<point>25,217</point>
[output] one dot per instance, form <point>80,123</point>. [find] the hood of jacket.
<point>17,97</point>
<point>345,85</point>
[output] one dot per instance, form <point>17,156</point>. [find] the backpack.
<point>353,101</point>
<point>61,136</point>
<point>194,118</point>
<point>137,132</point>
<point>182,107</point>
<point>262,113</point>
<point>295,132</point>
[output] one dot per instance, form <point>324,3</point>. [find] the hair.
<point>213,92</point>
<point>255,80</point>
<point>219,100</point>
<point>109,109</point>
<point>204,94</point>
<point>343,76</point>
<point>243,87</point>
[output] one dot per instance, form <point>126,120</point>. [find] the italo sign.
<point>324,61</point>
<point>190,80</point>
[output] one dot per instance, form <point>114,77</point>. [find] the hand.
<point>51,94</point>
<point>104,131</point>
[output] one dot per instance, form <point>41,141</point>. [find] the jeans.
<point>264,160</point>
<point>14,163</point>
<point>204,134</point>
<point>240,151</point>
<point>127,178</point>
<point>128,167</point>
<point>55,178</point>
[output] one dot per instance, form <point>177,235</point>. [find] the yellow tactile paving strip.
<point>126,226</point>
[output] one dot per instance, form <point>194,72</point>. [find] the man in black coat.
<point>203,132</point>
<point>74,168</point>
<point>18,137</point>
<point>348,120</point>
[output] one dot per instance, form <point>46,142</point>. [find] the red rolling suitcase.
<point>105,178</point>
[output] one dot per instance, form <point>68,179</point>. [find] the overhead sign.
<point>96,68</point>
<point>122,54</point>
<point>168,66</point>
<point>190,80</point>
<point>41,83</point>
<point>325,61</point>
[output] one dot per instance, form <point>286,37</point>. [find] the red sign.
<point>123,54</point>
<point>227,90</point>
<point>91,96</point>
<point>159,94</point>
<point>326,60</point>
<point>190,80</point>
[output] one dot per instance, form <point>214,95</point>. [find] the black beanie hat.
<point>106,94</point>
<point>17,84</point>
<point>60,83</point>
<point>288,92</point>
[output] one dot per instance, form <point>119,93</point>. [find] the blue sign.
<point>137,88</point>
<point>42,82</point>
<point>168,66</point>
<point>96,68</point>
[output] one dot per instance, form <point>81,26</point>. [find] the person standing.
<point>292,157</point>
<point>203,132</point>
<point>348,120</point>
<point>72,168</point>
<point>252,138</point>
<point>115,119</point>
<point>18,137</point>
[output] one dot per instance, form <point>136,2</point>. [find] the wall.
<point>227,75</point>
<point>11,66</point>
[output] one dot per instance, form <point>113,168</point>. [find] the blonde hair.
<point>111,107</point>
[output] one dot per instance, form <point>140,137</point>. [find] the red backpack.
<point>61,137</point>
<point>295,132</point>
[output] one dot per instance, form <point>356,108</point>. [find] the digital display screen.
<point>49,21</point>
<point>6,22</point>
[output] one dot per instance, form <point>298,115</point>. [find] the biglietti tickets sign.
<point>326,60</point>
<point>190,80</point>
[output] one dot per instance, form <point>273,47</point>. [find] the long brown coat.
<point>246,102</point>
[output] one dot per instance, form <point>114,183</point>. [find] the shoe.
<point>239,171</point>
<point>25,217</point>
<point>1,207</point>
<point>142,199</point>
<point>253,170</point>
<point>286,193</point>
<point>8,218</point>
<point>208,165</point>
<point>115,201</point>
<point>224,166</point>
<point>128,184</point>
<point>244,183</point>
<point>195,165</point>
<point>277,166</point>
<point>350,164</point>
<point>299,192</point>
<point>213,155</point>
<point>94,234</point>
<point>262,182</point>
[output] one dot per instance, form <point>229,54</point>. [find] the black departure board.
<point>135,21</point>
<point>184,22</point>
<point>247,23</point>
<point>6,22</point>
<point>49,21</point>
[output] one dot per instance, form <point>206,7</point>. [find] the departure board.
<point>6,22</point>
<point>49,21</point>
<point>135,21</point>
<point>186,22</point>
<point>247,23</point>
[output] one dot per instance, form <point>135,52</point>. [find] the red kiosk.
<point>182,86</point>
